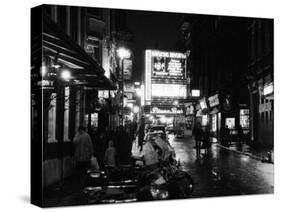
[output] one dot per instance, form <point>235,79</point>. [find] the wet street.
<point>222,172</point>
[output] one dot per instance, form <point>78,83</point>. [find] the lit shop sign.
<point>168,90</point>
<point>268,89</point>
<point>127,65</point>
<point>103,94</point>
<point>147,75</point>
<point>156,53</point>
<point>161,64</point>
<point>214,100</point>
<point>156,110</point>
<point>203,103</point>
<point>230,123</point>
<point>244,112</point>
<point>129,87</point>
<point>195,93</point>
<point>163,67</point>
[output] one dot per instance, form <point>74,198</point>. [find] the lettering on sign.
<point>214,100</point>
<point>156,110</point>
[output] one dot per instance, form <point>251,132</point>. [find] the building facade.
<point>260,78</point>
<point>218,47</point>
<point>74,75</point>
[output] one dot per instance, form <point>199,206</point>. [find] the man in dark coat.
<point>197,133</point>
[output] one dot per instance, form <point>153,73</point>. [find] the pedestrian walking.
<point>206,140</point>
<point>83,152</point>
<point>225,133</point>
<point>240,134</point>
<point>140,133</point>
<point>197,133</point>
<point>110,155</point>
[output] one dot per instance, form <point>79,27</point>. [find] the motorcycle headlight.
<point>159,194</point>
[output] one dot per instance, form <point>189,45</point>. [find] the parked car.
<point>157,128</point>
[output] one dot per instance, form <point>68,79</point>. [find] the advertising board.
<point>166,67</point>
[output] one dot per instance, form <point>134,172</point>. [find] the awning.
<point>60,48</point>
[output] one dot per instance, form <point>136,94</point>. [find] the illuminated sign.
<point>127,65</point>
<point>103,94</point>
<point>203,103</point>
<point>204,120</point>
<point>195,93</point>
<point>168,69</point>
<point>168,90</point>
<point>142,95</point>
<point>129,87</point>
<point>268,89</point>
<point>230,123</point>
<point>245,118</point>
<point>214,100</point>
<point>157,53</point>
<point>156,110</point>
<point>148,75</point>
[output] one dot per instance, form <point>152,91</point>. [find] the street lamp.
<point>65,74</point>
<point>136,109</point>
<point>123,53</point>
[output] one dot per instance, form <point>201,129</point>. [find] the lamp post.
<point>123,53</point>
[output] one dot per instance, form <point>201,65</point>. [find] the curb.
<point>240,152</point>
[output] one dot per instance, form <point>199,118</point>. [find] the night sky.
<point>151,30</point>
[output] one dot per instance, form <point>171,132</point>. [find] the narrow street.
<point>105,95</point>
<point>223,172</point>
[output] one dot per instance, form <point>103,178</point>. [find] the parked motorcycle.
<point>131,183</point>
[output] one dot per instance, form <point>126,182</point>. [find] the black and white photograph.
<point>135,105</point>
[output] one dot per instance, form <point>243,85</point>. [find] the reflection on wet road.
<point>222,172</point>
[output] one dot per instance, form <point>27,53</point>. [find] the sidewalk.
<point>245,149</point>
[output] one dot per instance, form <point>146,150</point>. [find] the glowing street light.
<point>65,74</point>
<point>43,70</point>
<point>123,53</point>
<point>136,109</point>
<point>130,105</point>
<point>138,92</point>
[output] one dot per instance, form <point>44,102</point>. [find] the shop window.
<point>66,114</point>
<point>214,123</point>
<point>245,118</point>
<point>52,119</point>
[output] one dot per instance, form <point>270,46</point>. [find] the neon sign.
<point>156,110</point>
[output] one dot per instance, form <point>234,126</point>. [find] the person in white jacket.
<point>83,148</point>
